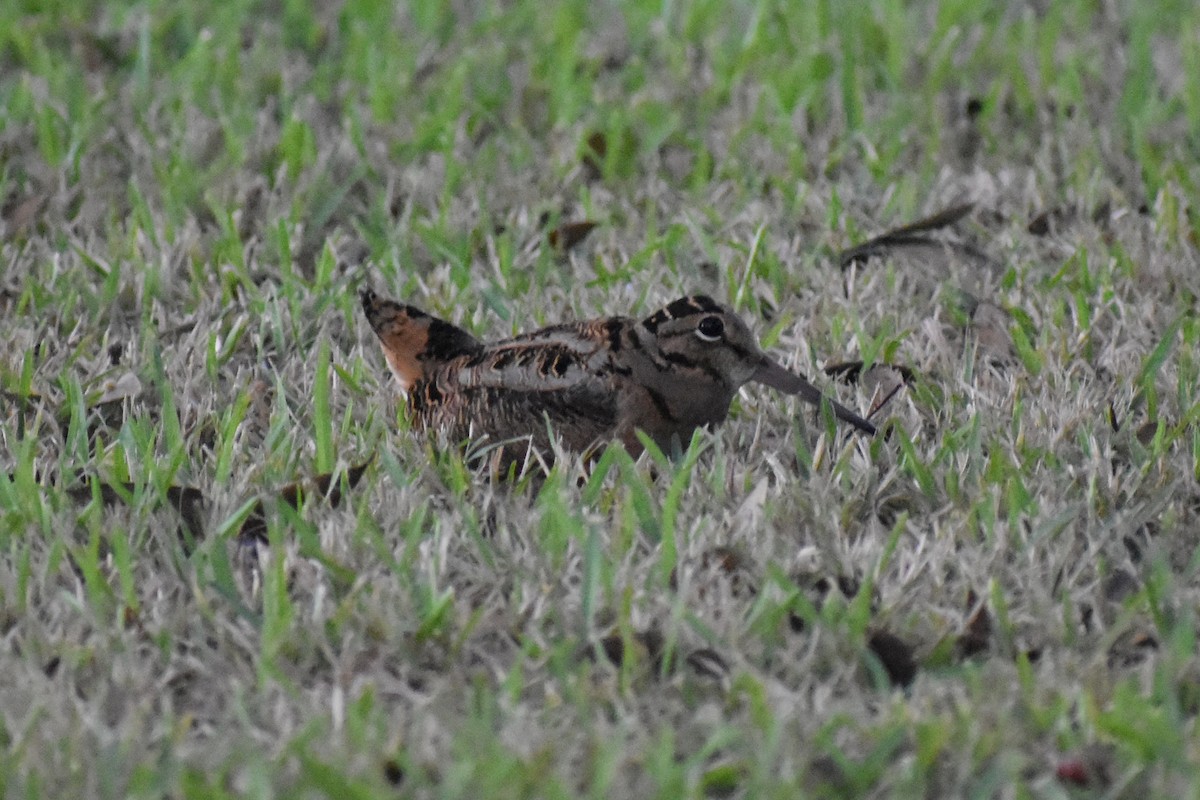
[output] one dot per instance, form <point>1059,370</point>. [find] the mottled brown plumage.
<point>593,381</point>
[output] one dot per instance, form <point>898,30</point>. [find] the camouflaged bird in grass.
<point>594,381</point>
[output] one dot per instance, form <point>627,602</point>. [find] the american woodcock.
<point>592,381</point>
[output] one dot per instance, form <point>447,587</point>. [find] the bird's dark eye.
<point>710,329</point>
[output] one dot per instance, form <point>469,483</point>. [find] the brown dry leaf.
<point>1114,422</point>
<point>23,404</point>
<point>100,53</point>
<point>647,646</point>
<point>977,632</point>
<point>1090,766</point>
<point>851,372</point>
<point>1049,221</point>
<point>393,773</point>
<point>1145,433</point>
<point>570,234</point>
<point>910,235</point>
<point>1120,586</point>
<point>720,564</point>
<point>882,381</point>
<point>108,493</point>
<point>600,150</point>
<point>125,387</point>
<point>1131,648</point>
<point>989,323</point>
<point>21,216</point>
<point>818,587</point>
<point>105,401</point>
<point>188,501</point>
<point>328,485</point>
<point>708,663</point>
<point>826,776</point>
<point>595,150</point>
<point>895,655</point>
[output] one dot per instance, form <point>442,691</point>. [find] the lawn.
<point>229,568</point>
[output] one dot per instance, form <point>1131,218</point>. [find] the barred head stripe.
<point>683,307</point>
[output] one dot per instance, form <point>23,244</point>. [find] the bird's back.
<point>506,391</point>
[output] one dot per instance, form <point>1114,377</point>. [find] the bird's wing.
<point>573,358</point>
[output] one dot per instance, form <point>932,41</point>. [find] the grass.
<point>190,197</point>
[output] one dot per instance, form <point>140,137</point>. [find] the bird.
<point>590,382</point>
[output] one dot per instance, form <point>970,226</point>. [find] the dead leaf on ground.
<point>647,648</point>
<point>912,235</point>
<point>977,633</point>
<point>105,404</point>
<point>818,588</point>
<point>22,216</point>
<point>826,776</point>
<point>191,504</point>
<point>328,486</point>
<point>596,148</point>
<point>570,234</point>
<point>1120,586</point>
<point>393,773</point>
<point>1052,220</point>
<point>895,655</point>
<point>127,386</point>
<point>595,151</point>
<point>989,324</point>
<point>708,663</point>
<point>881,381</point>
<point>188,501</point>
<point>24,404</point>
<point>1132,648</point>
<point>719,564</point>
<point>851,372</point>
<point>101,53</point>
<point>1090,767</point>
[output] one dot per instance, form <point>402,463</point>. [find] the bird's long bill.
<point>778,377</point>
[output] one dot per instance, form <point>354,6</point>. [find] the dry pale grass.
<point>1026,527</point>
